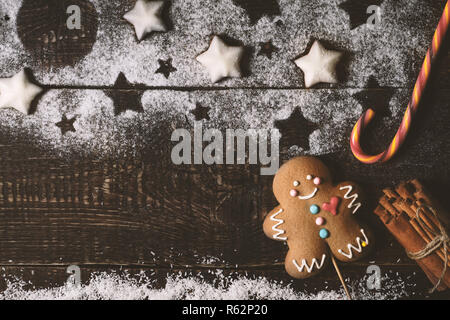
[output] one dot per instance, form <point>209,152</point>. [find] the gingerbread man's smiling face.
<point>315,217</point>
<point>301,180</point>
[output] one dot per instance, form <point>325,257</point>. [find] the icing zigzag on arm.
<point>314,262</point>
<point>352,247</point>
<point>275,226</point>
<point>354,196</point>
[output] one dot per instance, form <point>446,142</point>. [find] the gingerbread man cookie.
<point>315,217</point>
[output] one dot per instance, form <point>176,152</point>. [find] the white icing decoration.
<point>146,17</point>
<point>18,92</point>
<point>221,60</point>
<point>279,222</point>
<point>296,183</point>
<point>353,197</point>
<point>309,268</point>
<point>319,65</point>
<point>352,247</point>
<point>309,196</point>
<point>309,177</point>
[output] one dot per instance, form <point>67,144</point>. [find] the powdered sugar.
<point>392,51</point>
<point>101,134</point>
<point>111,286</point>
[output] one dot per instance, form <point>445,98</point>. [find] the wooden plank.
<point>150,237</point>
<point>393,51</point>
<point>120,211</point>
<point>181,217</point>
<point>99,134</point>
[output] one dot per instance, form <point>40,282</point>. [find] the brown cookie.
<point>315,217</point>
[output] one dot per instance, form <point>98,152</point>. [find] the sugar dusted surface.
<point>392,51</point>
<point>101,134</point>
<point>111,286</point>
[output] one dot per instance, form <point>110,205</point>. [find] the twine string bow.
<point>440,239</point>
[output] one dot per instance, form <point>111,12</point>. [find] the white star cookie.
<point>18,92</point>
<point>319,65</point>
<point>146,17</point>
<point>221,60</point>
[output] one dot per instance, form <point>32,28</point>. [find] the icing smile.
<point>309,196</point>
<point>358,248</point>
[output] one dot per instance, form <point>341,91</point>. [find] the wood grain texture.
<point>42,28</point>
<point>65,211</point>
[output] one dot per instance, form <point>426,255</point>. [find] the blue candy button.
<point>324,233</point>
<point>314,209</point>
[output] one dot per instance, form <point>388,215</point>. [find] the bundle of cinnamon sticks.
<point>399,210</point>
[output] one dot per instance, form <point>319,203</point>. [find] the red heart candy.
<point>332,205</point>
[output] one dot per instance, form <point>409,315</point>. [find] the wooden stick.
<point>341,278</point>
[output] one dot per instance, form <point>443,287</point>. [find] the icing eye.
<point>309,177</point>
<point>296,183</point>
<point>317,181</point>
<point>293,193</point>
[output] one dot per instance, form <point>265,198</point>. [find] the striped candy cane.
<point>421,83</point>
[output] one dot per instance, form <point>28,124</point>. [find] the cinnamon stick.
<point>413,242</point>
<point>428,214</point>
<point>423,231</point>
<point>424,196</point>
<point>428,237</point>
<point>398,211</point>
<point>399,202</point>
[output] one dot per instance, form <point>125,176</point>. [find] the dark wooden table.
<point>134,210</point>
